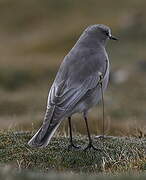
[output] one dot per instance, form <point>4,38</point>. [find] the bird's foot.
<point>73,146</point>
<point>90,145</point>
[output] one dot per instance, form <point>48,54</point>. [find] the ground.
<point>116,155</point>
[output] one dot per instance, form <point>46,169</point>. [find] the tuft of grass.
<point>117,155</point>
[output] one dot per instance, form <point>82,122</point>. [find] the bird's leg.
<point>90,145</point>
<point>72,145</point>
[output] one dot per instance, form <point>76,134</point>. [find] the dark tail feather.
<point>45,133</point>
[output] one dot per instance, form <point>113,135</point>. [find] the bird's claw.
<point>90,145</point>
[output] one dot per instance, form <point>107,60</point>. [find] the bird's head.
<point>100,32</point>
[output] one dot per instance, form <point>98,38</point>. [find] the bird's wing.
<point>70,96</point>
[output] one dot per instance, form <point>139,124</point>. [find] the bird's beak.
<point>113,38</point>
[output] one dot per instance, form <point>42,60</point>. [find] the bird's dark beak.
<point>113,38</point>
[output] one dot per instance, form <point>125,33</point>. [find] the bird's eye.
<point>107,33</point>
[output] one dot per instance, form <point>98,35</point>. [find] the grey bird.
<point>76,87</point>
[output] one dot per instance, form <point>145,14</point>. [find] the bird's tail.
<point>45,133</point>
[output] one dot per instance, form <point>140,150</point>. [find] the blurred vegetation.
<point>36,35</point>
<point>7,172</point>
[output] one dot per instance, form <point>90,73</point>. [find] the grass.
<point>117,155</point>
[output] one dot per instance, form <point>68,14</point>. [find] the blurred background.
<point>34,38</point>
